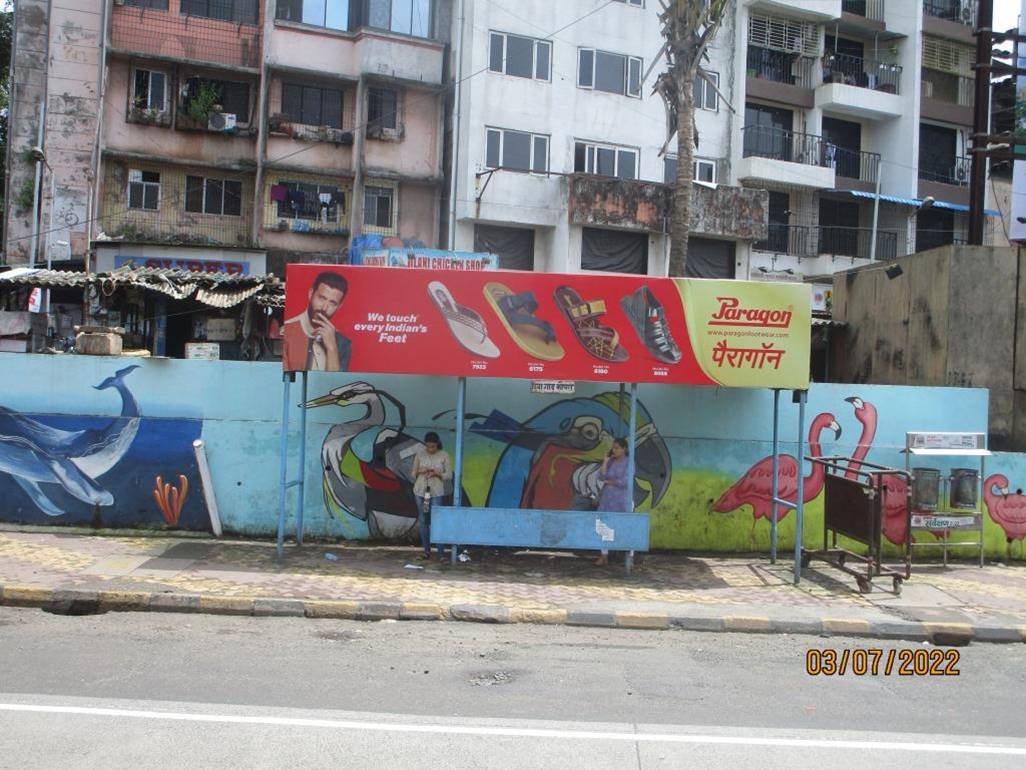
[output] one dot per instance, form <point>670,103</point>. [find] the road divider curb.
<point>82,601</point>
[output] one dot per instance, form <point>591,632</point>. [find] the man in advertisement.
<point>311,341</point>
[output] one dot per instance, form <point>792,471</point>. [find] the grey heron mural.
<point>73,469</point>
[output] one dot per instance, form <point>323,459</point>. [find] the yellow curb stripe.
<point>641,620</point>
<point>120,600</point>
<point>551,617</point>
<point>846,626</point>
<point>227,605</point>
<point>746,623</point>
<point>326,608</point>
<point>420,611</point>
<point>30,596</point>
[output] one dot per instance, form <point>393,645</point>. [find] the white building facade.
<point>820,102</point>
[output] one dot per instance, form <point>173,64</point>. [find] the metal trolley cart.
<point>941,504</point>
<point>853,506</point>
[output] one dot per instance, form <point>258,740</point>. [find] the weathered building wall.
<point>948,319</point>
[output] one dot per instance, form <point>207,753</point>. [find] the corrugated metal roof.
<point>215,289</point>
<point>916,202</point>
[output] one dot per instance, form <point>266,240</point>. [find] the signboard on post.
<point>590,327</point>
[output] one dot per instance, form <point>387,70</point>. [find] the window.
<point>330,14</point>
<point>607,160</point>
<point>705,171</point>
<point>517,149</point>
<point>523,57</point>
<point>312,105</point>
<point>670,169</point>
<point>232,96</point>
<point>307,200</point>
<point>610,72</point>
<point>213,196</point>
<point>382,108</point>
<point>377,206</point>
<point>143,190</point>
<point>150,91</point>
<point>409,17</point>
<point>239,11</point>
<point>706,97</point>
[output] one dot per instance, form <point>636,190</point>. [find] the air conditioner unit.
<point>961,174</point>
<point>221,121</point>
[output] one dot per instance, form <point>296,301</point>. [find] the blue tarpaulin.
<point>916,203</point>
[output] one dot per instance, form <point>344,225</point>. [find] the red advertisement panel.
<point>545,326</point>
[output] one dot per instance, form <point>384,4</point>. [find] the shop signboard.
<point>585,326</point>
<point>428,259</point>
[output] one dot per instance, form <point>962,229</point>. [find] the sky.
<point>1006,14</point>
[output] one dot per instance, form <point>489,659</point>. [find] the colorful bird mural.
<point>367,461</point>
<point>34,453</point>
<point>1007,510</point>
<point>553,458</point>
<point>755,487</point>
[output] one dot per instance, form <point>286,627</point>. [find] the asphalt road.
<point>169,691</point>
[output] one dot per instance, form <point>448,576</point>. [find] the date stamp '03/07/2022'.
<point>876,661</point>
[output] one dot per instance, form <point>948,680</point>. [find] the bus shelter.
<point>547,328</point>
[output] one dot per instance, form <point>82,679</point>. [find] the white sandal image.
<point>466,325</point>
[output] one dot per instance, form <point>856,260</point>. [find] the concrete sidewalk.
<point>81,573</point>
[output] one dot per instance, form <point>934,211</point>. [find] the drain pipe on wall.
<point>457,98</point>
<point>208,486</point>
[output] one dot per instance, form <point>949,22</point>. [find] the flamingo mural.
<point>1007,510</point>
<point>755,488</point>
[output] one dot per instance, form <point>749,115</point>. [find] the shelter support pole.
<point>283,456</point>
<point>302,465</point>
<point>776,475</point>
<point>799,510</point>
<point>633,444</point>
<point>457,474</point>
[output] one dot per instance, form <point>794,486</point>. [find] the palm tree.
<point>689,26</point>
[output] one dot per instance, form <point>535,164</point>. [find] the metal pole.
<point>775,483</point>
<point>876,213</point>
<point>981,121</point>
<point>302,465</point>
<point>283,451</point>
<point>632,444</point>
<point>36,192</point>
<point>799,524</point>
<point>457,474</point>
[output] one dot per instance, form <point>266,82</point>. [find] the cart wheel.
<point>897,586</point>
<point>864,585</point>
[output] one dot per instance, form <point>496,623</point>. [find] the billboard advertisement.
<point>547,326</point>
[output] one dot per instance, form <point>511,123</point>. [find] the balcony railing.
<point>948,87</point>
<point>812,240</point>
<point>956,174</point>
<point>870,9</point>
<point>960,11</point>
<point>852,164</point>
<point>777,144</point>
<point>862,73</point>
<point>780,66</point>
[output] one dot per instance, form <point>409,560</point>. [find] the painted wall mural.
<point>84,469</point>
<point>81,435</point>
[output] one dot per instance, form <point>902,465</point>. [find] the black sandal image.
<point>648,318</point>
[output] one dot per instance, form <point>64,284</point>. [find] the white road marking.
<point>522,732</point>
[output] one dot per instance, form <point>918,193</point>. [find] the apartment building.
<point>823,103</point>
<point>238,131</point>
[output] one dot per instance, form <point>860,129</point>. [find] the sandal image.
<point>649,321</point>
<point>535,336</point>
<point>466,324</point>
<point>601,341</point>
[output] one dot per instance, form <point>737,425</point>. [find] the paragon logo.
<point>732,314</point>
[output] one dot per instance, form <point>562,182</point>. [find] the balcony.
<point>867,9</point>
<point>947,97</point>
<point>956,174</point>
<point>957,11</point>
<point>780,66</point>
<point>854,169</point>
<point>785,157</point>
<point>177,32</point>
<point>862,88</point>
<point>814,241</point>
<point>809,10</point>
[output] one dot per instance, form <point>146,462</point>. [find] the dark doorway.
<point>768,132</point>
<point>709,258</point>
<point>614,251</point>
<point>513,245</point>
<point>778,223</point>
<point>838,228</point>
<point>937,153</point>
<point>934,227</point>
<point>846,136</point>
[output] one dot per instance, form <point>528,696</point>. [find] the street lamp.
<point>924,204</point>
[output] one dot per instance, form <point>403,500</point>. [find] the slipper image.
<point>535,336</point>
<point>601,341</point>
<point>465,324</point>
<point>649,321</point>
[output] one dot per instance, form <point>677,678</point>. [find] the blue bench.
<point>551,530</point>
